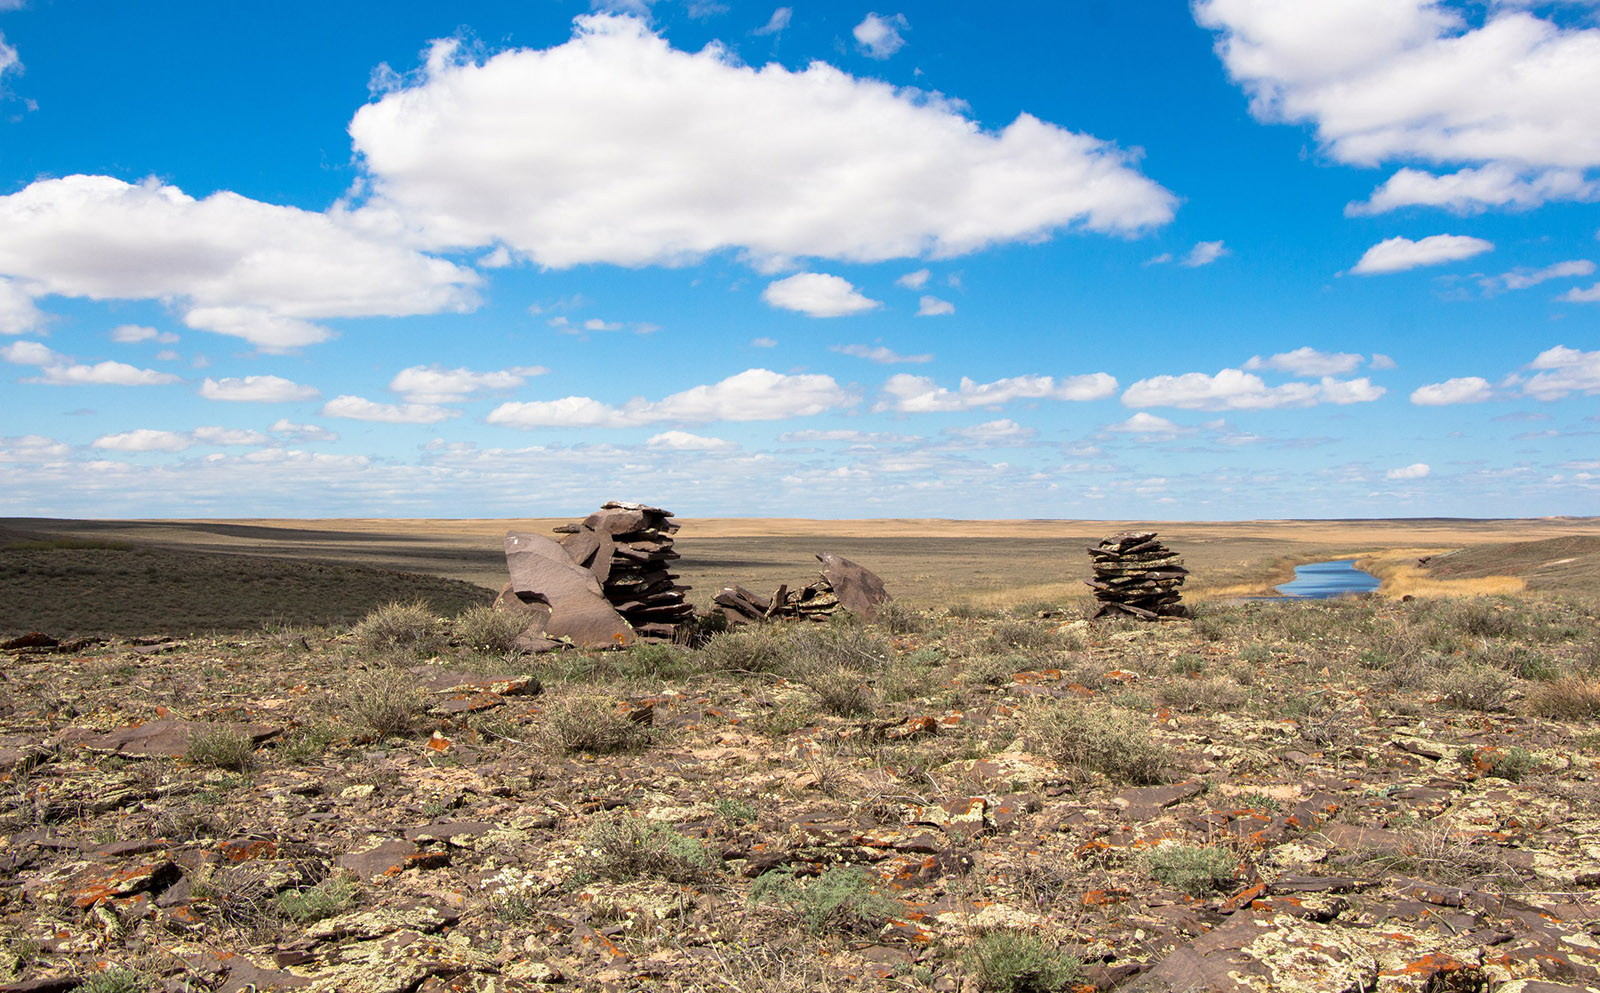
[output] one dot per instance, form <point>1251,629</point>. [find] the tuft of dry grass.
<point>484,629</point>
<point>385,705</point>
<point>401,627</point>
<point>1105,739</point>
<point>1570,698</point>
<point>222,747</point>
<point>580,723</point>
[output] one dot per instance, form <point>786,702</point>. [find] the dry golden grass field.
<point>194,575</point>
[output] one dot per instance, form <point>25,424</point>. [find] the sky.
<point>1083,259</point>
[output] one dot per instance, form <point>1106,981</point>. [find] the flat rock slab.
<point>390,858</point>
<point>859,589</point>
<point>578,610</point>
<point>157,739</point>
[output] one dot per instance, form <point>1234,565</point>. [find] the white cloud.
<point>1521,279</point>
<point>752,395</point>
<point>1400,254</point>
<point>879,36</point>
<point>1575,295</point>
<point>931,306</point>
<point>846,434</point>
<point>228,436</point>
<point>18,315</point>
<point>921,395</point>
<point>1307,361</point>
<point>1144,423</point>
<point>878,353</point>
<point>433,384</point>
<point>1235,389</point>
<point>777,22</point>
<point>256,389</point>
<point>1473,190</point>
<point>1463,389</point>
<point>8,57</point>
<point>1417,470</point>
<point>28,353</point>
<point>1381,361</point>
<point>102,374</point>
<point>683,441</point>
<point>290,431</point>
<point>1204,253</point>
<point>817,295</point>
<point>763,343</point>
<point>914,280</point>
<point>237,264</point>
<point>33,448</point>
<point>131,334</point>
<point>361,409</point>
<point>143,440</point>
<point>1003,431</point>
<point>614,147</point>
<point>1563,370</point>
<point>1413,79</point>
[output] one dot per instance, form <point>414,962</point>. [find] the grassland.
<point>174,576</point>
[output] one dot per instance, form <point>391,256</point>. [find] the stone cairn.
<point>605,584</point>
<point>1137,576</point>
<point>842,584</point>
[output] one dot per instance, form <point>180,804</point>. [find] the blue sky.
<point>1240,259</point>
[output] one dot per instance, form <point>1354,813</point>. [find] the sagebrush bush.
<point>578,723</point>
<point>1570,698</point>
<point>117,980</point>
<point>623,847</point>
<point>1194,869</point>
<point>326,899</point>
<point>840,691</point>
<point>1475,685</point>
<point>1020,962</point>
<point>647,661</point>
<point>222,747</point>
<point>897,618</point>
<point>400,627</point>
<point>1109,740</point>
<point>385,704</point>
<point>841,900</point>
<point>487,630</point>
<point>749,649</point>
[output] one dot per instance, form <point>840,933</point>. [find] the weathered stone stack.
<point>842,583</point>
<point>628,547</point>
<point>604,585</point>
<point>1137,576</point>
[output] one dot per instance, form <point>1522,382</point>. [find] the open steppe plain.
<point>977,792</point>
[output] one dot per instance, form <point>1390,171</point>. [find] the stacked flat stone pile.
<point>628,547</point>
<point>842,584</point>
<point>1137,576</point>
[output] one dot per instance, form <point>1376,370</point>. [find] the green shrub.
<point>487,630</point>
<point>1017,962</point>
<point>752,649</point>
<point>1475,685</point>
<point>650,661</point>
<point>222,746</point>
<point>117,980</point>
<point>1194,869</point>
<point>400,627</point>
<point>623,847</point>
<point>307,742</point>
<point>326,899</point>
<point>1105,739</point>
<point>1508,764</point>
<point>385,705</point>
<point>573,724</point>
<point>841,900</point>
<point>840,691</point>
<point>897,618</point>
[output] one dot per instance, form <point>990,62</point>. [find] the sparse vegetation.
<point>578,723</point>
<point>624,847</point>
<point>117,980</point>
<point>1018,962</point>
<point>401,627</point>
<point>484,629</point>
<point>307,906</point>
<point>1193,869</point>
<point>841,899</point>
<point>222,747</point>
<point>1104,739</point>
<point>385,704</point>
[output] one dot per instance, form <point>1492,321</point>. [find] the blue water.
<point>1320,580</point>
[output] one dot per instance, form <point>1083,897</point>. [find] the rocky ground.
<point>1352,796</point>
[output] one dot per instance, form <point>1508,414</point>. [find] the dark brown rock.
<point>859,590</point>
<point>578,610</point>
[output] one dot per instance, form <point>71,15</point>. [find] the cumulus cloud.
<point>214,435</point>
<point>1307,361</point>
<point>18,315</point>
<point>1474,190</point>
<point>361,409</point>
<point>1145,423</point>
<point>33,448</point>
<point>256,389</point>
<point>132,334</point>
<point>914,280</point>
<point>817,295</point>
<point>143,440</point>
<point>1563,371</point>
<point>28,353</point>
<point>1382,80</point>
<point>433,384</point>
<point>752,395</point>
<point>290,431</point>
<point>1204,253</point>
<point>238,266</point>
<point>1463,389</point>
<point>878,353</point>
<point>1002,432</point>
<point>615,147</point>
<point>1235,389</point>
<point>1400,254</point>
<point>879,37</point>
<point>1417,470</point>
<point>1575,295</point>
<point>847,435</point>
<point>101,374</point>
<point>1521,279</point>
<point>930,306</point>
<point>683,441</point>
<point>9,62</point>
<point>921,395</point>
